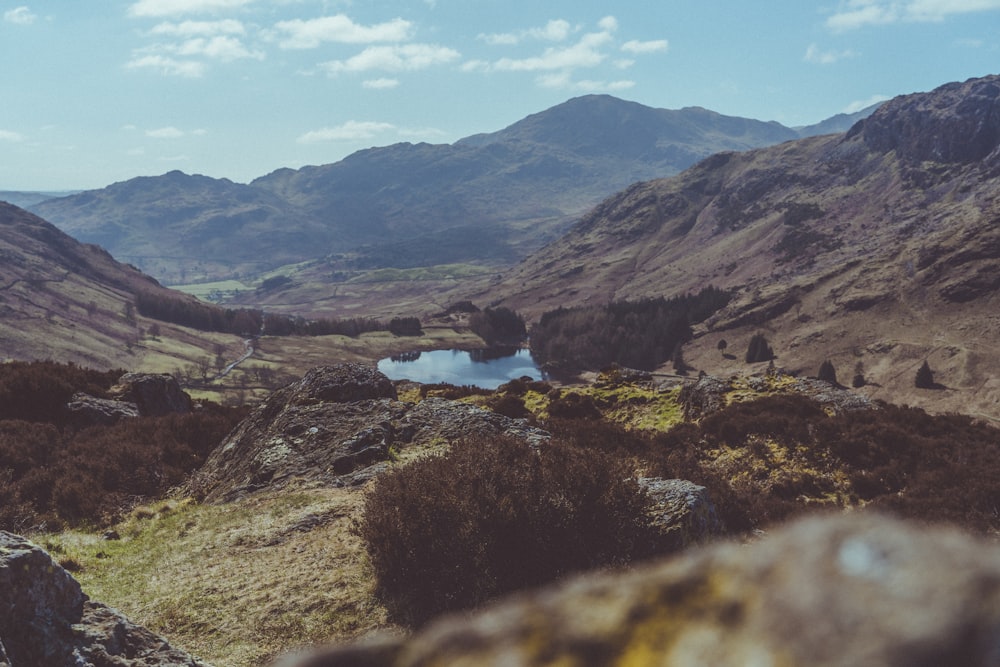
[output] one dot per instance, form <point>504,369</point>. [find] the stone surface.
<point>682,510</point>
<point>337,426</point>
<point>47,621</point>
<point>842,591</point>
<point>956,123</point>
<point>154,394</point>
<point>100,411</point>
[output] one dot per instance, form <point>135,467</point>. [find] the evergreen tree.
<point>759,349</point>
<point>722,346</point>
<point>827,372</point>
<point>859,376</point>
<point>925,377</point>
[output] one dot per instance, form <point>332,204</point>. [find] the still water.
<point>483,368</point>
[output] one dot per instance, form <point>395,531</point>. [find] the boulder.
<point>91,410</point>
<point>835,591</point>
<point>154,394</point>
<point>336,426</point>
<point>47,621</point>
<point>682,511</point>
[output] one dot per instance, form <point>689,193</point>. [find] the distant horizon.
<point>99,93</point>
<point>70,191</point>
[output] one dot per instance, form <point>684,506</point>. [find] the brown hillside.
<point>880,246</point>
<point>67,301</point>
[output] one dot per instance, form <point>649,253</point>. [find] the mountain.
<point>25,199</point>
<point>880,246</point>
<point>489,198</point>
<point>66,301</point>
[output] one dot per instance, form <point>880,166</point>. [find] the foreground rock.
<point>338,425</point>
<point>47,621</point>
<point>844,591</point>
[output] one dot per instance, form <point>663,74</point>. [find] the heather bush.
<point>54,473</point>
<point>493,516</point>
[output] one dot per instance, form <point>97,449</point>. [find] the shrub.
<point>493,516</point>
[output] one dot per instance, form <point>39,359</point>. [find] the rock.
<point>705,396</point>
<point>154,394</point>
<point>682,511</point>
<point>343,383</point>
<point>91,410</point>
<point>955,123</point>
<point>336,426</point>
<point>40,602</point>
<point>47,621</point>
<point>837,591</point>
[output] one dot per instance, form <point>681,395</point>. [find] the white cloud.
<point>853,14</point>
<point>169,132</point>
<point>555,30</point>
<point>309,34</point>
<point>380,84</point>
<point>816,55</point>
<point>169,66</point>
<point>395,58</point>
<point>608,24</point>
<point>564,81</point>
<point>352,130</point>
<point>158,8</point>
<point>652,46</point>
<point>475,66</point>
<point>858,105</point>
<point>221,47</point>
<point>7,135</point>
<point>199,28</point>
<point>19,15</point>
<point>585,53</point>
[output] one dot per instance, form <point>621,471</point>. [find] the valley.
<point>754,336</point>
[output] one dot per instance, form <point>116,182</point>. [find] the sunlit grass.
<point>235,584</point>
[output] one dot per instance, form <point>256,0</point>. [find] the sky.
<point>95,92</point>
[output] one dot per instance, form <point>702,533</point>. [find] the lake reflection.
<point>488,368</point>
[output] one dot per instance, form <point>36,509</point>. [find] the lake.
<point>482,368</point>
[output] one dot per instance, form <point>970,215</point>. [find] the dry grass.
<point>236,584</point>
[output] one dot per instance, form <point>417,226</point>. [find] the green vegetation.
<point>498,326</point>
<point>637,334</point>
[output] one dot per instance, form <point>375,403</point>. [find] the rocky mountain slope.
<point>68,301</point>
<point>879,246</point>
<point>486,198</point>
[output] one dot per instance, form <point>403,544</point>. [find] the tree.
<point>859,376</point>
<point>925,377</point>
<point>722,346</point>
<point>759,349</point>
<point>827,372</point>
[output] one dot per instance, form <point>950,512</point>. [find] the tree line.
<point>637,334</point>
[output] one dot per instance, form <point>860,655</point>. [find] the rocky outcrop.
<point>681,511</point>
<point>101,411</point>
<point>843,591</point>
<point>955,123</point>
<point>708,393</point>
<point>47,621</point>
<point>337,426</point>
<point>155,395</point>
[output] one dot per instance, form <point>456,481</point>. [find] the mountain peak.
<point>957,123</point>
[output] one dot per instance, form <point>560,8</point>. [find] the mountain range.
<point>878,247</point>
<point>489,198</point>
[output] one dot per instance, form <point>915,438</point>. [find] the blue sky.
<point>98,92</point>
